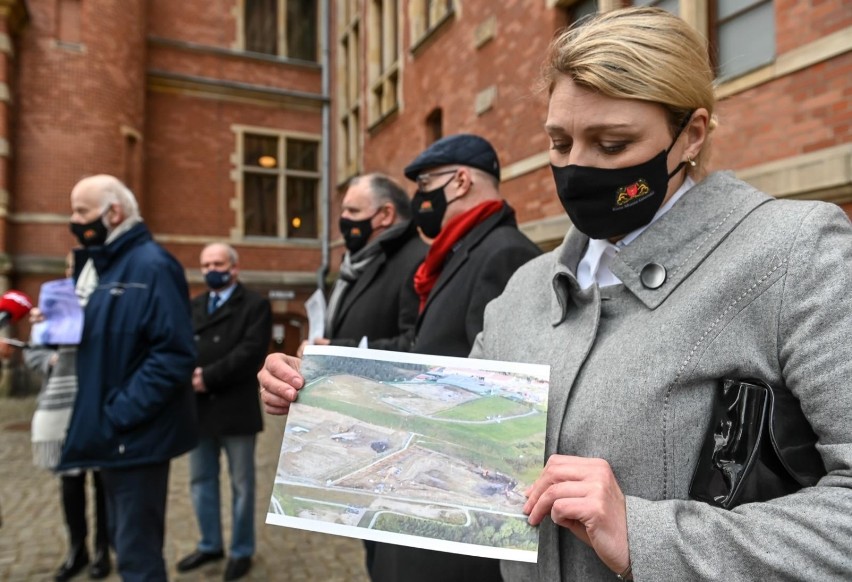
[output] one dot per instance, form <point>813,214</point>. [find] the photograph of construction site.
<point>425,451</point>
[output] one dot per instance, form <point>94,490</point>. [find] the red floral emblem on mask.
<point>631,192</point>
<point>355,231</point>
<point>426,206</point>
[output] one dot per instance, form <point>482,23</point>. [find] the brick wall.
<point>90,106</point>
<point>806,111</point>
<point>72,101</point>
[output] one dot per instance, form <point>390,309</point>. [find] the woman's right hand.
<point>583,495</point>
<point>280,382</point>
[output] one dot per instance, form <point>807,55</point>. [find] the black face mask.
<point>217,279</point>
<point>356,233</point>
<point>91,234</point>
<point>428,209</point>
<point>603,203</point>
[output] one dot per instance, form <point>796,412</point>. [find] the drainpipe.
<point>325,180</point>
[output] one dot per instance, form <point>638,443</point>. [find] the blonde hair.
<point>647,54</point>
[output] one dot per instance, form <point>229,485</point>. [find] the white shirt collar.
<point>594,266</point>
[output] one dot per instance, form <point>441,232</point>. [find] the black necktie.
<point>214,302</point>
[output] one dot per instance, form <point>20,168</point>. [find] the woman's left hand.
<point>582,495</point>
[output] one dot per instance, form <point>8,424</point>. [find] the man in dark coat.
<point>476,248</point>
<point>233,326</point>
<point>374,296</point>
<point>134,409</point>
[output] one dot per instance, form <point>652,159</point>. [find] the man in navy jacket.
<point>135,408</point>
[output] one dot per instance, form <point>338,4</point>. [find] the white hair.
<point>233,256</point>
<point>113,191</point>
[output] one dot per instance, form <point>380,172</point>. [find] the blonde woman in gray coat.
<point>668,282</point>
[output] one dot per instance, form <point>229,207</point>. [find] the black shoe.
<point>73,565</point>
<point>101,566</point>
<point>198,558</point>
<point>237,568</point>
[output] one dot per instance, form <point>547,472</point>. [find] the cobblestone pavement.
<point>32,537</point>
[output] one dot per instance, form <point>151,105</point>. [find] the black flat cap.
<point>464,149</point>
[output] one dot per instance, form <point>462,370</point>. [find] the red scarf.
<point>429,271</point>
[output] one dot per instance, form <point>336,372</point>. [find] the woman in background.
<point>57,365</point>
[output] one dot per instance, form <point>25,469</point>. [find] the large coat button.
<point>653,276</point>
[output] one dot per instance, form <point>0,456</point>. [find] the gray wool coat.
<point>755,288</point>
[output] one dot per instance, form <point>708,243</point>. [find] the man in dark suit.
<point>374,295</point>
<point>233,326</point>
<point>476,247</point>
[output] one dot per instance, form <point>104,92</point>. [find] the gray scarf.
<point>353,266</point>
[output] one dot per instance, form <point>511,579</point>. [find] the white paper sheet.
<point>315,308</point>
<point>426,451</point>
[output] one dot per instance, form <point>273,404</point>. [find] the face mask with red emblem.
<point>91,234</point>
<point>356,233</point>
<point>605,203</point>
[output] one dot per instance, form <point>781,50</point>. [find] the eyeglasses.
<point>423,179</point>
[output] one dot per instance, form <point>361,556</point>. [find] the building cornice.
<point>230,53</point>
<point>206,87</point>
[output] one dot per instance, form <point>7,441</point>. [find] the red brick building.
<point>211,111</point>
<point>427,68</point>
<point>227,121</point>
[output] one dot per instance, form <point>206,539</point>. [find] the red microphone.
<point>14,305</point>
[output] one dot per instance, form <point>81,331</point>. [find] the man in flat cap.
<point>476,247</point>
<point>476,244</point>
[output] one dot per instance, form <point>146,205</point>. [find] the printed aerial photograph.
<point>415,450</point>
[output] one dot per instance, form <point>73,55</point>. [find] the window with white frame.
<point>427,15</point>
<point>573,10</point>
<point>670,5</point>
<point>383,58</point>
<point>582,9</point>
<point>742,35</point>
<point>348,87</point>
<point>741,32</point>
<point>283,28</point>
<point>280,180</point>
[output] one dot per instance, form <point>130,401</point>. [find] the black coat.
<point>232,344</point>
<point>476,272</point>
<point>382,304</point>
